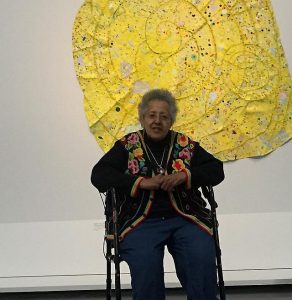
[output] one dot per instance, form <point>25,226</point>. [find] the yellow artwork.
<point>222,59</point>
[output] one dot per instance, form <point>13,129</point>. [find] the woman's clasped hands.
<point>164,182</point>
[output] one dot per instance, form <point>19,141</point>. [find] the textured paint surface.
<point>222,59</point>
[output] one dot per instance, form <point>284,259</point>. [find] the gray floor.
<point>232,293</point>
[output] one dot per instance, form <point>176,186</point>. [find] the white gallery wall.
<point>51,218</point>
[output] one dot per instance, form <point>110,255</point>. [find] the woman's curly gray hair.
<point>161,95</point>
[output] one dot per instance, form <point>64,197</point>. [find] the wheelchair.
<point>111,242</point>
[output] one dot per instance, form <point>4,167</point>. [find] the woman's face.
<point>157,119</point>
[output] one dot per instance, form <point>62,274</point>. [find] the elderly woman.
<point>157,173</point>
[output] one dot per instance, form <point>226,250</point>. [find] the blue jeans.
<point>192,249</point>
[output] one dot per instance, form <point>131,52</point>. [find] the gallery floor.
<point>232,293</point>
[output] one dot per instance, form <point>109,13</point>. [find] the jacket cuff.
<point>188,178</point>
<point>135,187</point>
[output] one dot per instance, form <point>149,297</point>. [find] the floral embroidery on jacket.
<point>182,153</point>
<point>136,161</point>
<point>133,166</point>
<point>181,157</point>
<point>178,165</point>
<point>182,140</point>
<point>138,153</point>
<point>133,138</point>
<point>185,154</point>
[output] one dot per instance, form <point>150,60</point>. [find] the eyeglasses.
<point>154,116</point>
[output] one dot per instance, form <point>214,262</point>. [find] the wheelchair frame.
<point>112,245</point>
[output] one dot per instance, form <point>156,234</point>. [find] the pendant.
<point>161,171</point>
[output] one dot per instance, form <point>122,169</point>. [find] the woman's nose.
<point>157,119</point>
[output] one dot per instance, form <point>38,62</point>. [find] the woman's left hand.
<point>169,182</point>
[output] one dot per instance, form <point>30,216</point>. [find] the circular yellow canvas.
<point>222,59</point>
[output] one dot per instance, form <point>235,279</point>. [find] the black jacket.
<point>128,162</point>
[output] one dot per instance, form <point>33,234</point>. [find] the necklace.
<point>160,169</point>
